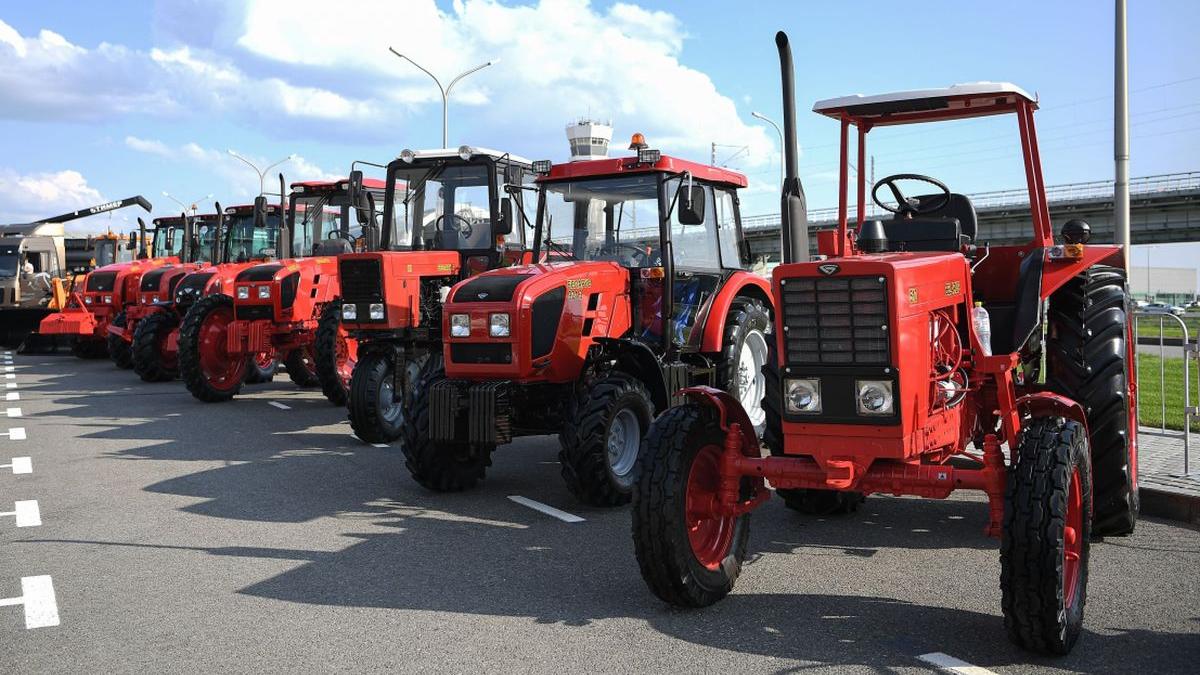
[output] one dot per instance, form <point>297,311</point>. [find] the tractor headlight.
<point>349,312</point>
<point>87,300</point>
<point>154,299</point>
<point>264,292</point>
<point>803,396</point>
<point>243,292</point>
<point>375,311</point>
<point>460,325</point>
<point>498,325</point>
<point>108,299</point>
<point>874,397</point>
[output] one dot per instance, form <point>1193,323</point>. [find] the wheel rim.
<point>264,360</point>
<point>346,355</point>
<point>390,407</point>
<point>1072,539</point>
<point>221,371</point>
<point>751,382</point>
<point>710,535</point>
<point>623,441</point>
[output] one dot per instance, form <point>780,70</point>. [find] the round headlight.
<point>407,156</point>
<point>875,398</point>
<point>804,396</point>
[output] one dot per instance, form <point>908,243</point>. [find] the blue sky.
<point>107,100</point>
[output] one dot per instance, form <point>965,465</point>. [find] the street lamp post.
<point>263,173</point>
<point>768,120</point>
<point>184,205</point>
<point>445,91</point>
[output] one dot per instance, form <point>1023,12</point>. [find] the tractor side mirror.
<point>366,211</point>
<point>133,241</point>
<point>691,205</point>
<point>260,211</point>
<point>505,225</point>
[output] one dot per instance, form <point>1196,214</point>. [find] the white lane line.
<point>380,445</point>
<point>13,412</point>
<point>11,385</point>
<point>9,369</point>
<point>26,512</point>
<point>14,434</point>
<point>949,664</point>
<point>19,465</point>
<point>37,594</point>
<point>12,396</point>
<point>546,509</point>
<point>279,405</point>
<point>10,376</point>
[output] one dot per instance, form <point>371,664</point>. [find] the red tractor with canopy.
<point>903,345</point>
<point>643,290</point>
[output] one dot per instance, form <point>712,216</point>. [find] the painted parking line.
<point>380,445</point>
<point>10,369</point>
<point>27,513</point>
<point>13,412</point>
<point>279,405</point>
<point>19,465</point>
<point>11,385</point>
<point>37,595</point>
<point>10,376</point>
<point>546,509</point>
<point>12,396</point>
<point>949,664</point>
<point>14,434</point>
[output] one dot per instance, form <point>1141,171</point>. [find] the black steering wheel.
<point>464,226</point>
<point>637,250</point>
<point>911,206</point>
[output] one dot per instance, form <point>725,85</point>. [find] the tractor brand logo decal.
<point>912,295</point>
<point>105,207</point>
<point>575,287</point>
<point>442,267</point>
<point>482,295</point>
<point>953,288</point>
<point>829,269</point>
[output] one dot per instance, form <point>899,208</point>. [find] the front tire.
<point>376,409</point>
<point>601,440</point>
<point>151,361</point>
<point>1047,528</point>
<point>119,350</point>
<point>442,467</point>
<point>688,557</point>
<point>208,370</point>
<point>301,365</point>
<point>336,355</point>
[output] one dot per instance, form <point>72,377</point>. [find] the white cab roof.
<point>437,153</point>
<point>908,100</point>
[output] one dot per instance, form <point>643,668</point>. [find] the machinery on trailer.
<point>448,214</point>
<point>904,345</point>
<point>240,239</point>
<point>643,291</point>
<point>38,263</point>
<point>275,307</point>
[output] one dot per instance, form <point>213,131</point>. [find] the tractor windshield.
<point>168,239</point>
<point>614,219</point>
<point>9,264</point>
<point>330,216</point>
<point>245,242</point>
<point>448,207</point>
<point>105,252</point>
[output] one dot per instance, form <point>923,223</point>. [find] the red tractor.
<point>643,291</point>
<point>275,307</point>
<point>239,240</point>
<point>448,214</point>
<point>904,344</point>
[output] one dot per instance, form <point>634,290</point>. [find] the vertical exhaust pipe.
<point>285,236</point>
<point>186,254</point>
<point>793,205</point>
<point>217,246</point>
<point>143,253</point>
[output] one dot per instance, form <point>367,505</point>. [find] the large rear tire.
<point>151,360</point>
<point>1088,359</point>
<point>744,355</point>
<point>442,467</point>
<point>1044,544</point>
<point>601,439</point>
<point>119,350</point>
<point>688,556</point>
<point>301,365</point>
<point>210,373</point>
<point>336,354</point>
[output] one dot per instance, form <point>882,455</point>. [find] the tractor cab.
<point>336,217</point>
<point>252,233</point>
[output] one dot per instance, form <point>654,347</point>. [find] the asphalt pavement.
<point>259,535</point>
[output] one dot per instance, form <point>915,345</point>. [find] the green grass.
<point>1151,388</point>
<point>1148,326</point>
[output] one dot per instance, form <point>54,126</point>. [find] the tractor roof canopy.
<point>342,184</point>
<point>597,168</point>
<point>959,101</point>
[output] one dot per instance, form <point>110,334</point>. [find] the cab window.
<point>725,211</point>
<point>695,246</point>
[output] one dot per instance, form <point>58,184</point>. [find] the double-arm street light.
<point>263,173</point>
<point>192,206</point>
<point>445,90</point>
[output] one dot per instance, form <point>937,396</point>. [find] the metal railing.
<point>1188,353</point>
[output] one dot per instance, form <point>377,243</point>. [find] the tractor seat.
<point>332,247</point>
<point>945,229</point>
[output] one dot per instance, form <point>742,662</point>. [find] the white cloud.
<point>29,197</point>
<point>148,146</point>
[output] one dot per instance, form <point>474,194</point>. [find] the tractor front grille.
<point>836,321</point>
<point>361,280</point>
<point>480,352</point>
<point>99,282</point>
<point>254,312</point>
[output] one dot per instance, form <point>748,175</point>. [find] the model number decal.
<point>953,288</point>
<point>912,295</point>
<point>575,287</point>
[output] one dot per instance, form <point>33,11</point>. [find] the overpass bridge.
<point>1163,209</point>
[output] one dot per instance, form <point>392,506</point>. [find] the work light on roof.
<point>542,166</point>
<point>407,156</point>
<point>465,152</point>
<point>648,156</point>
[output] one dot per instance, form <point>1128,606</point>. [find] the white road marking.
<point>380,445</point>
<point>27,513</point>
<point>19,465</point>
<point>10,376</point>
<point>9,369</point>
<point>37,594</point>
<point>12,396</point>
<point>11,385</point>
<point>546,509</point>
<point>13,412</point>
<point>14,434</point>
<point>279,405</point>
<point>949,664</point>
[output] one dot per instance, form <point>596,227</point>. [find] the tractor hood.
<point>395,290</point>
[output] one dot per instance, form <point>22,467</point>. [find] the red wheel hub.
<point>264,360</point>
<point>1072,539</point>
<point>221,371</point>
<point>710,534</point>
<point>347,355</point>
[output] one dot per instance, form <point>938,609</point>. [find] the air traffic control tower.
<point>589,139</point>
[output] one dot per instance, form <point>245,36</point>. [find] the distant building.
<point>1165,284</point>
<point>589,139</point>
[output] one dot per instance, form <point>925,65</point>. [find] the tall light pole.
<point>445,90</point>
<point>183,206</point>
<point>263,173</point>
<point>779,131</point>
<point>1121,133</point>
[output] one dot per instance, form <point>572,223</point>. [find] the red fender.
<point>714,327</point>
<point>1048,403</point>
<point>729,411</point>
